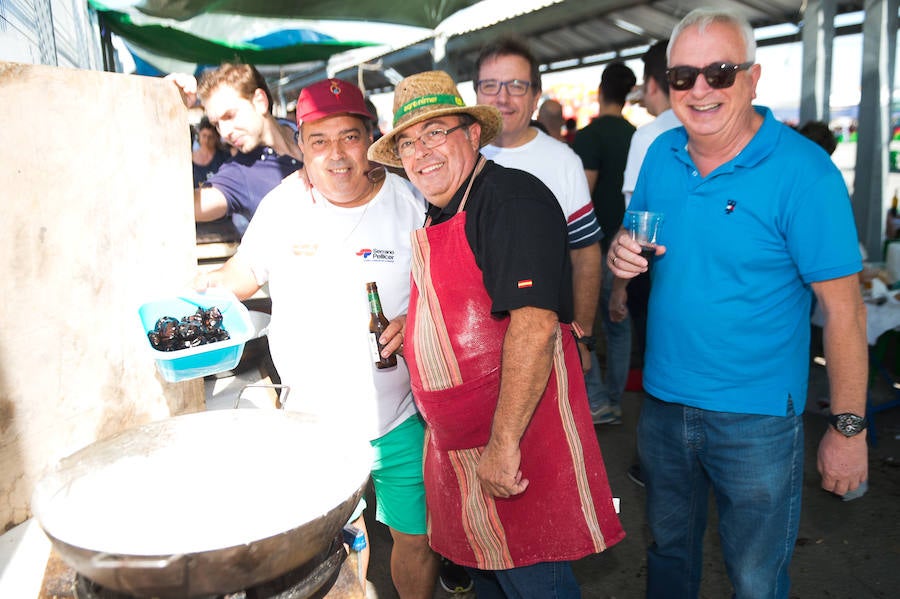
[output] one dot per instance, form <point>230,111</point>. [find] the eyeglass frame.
<point>728,70</point>
<point>423,137</point>
<point>329,142</point>
<point>501,84</point>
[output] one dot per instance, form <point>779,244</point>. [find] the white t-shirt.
<point>560,169</point>
<point>317,259</point>
<point>640,143</point>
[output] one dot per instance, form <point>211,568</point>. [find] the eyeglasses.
<point>430,139</point>
<point>492,87</point>
<point>320,144</point>
<point>719,75</point>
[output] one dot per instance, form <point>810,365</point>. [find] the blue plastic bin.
<point>203,360</point>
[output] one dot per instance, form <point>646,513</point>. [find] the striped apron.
<point>453,347</point>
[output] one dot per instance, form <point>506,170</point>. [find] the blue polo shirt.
<point>246,178</point>
<point>728,324</point>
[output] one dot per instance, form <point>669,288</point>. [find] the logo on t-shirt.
<point>376,255</point>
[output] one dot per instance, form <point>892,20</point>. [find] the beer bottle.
<point>377,324</point>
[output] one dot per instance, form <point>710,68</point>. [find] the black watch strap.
<point>848,423</point>
<point>589,341</point>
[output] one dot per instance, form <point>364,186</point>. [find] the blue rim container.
<point>203,360</point>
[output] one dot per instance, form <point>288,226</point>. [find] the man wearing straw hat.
<point>317,246</point>
<point>514,480</point>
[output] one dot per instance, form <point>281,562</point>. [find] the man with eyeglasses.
<point>317,245</point>
<point>508,78</point>
<point>514,478</point>
<point>757,220</point>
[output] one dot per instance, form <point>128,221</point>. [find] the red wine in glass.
<point>647,252</point>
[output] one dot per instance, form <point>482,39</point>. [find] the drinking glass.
<point>644,228</point>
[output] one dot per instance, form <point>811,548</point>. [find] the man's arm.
<point>234,275</point>
<point>592,180</point>
<point>843,461</point>
<point>525,370</point>
<point>209,204</point>
<point>618,300</point>
<point>587,263</point>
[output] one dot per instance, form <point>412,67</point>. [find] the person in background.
<point>550,114</point>
<point>209,155</point>
<point>376,127</point>
<point>508,78</point>
<point>757,220</point>
<point>628,297</point>
<point>819,132</point>
<point>514,478</point>
<point>238,103</point>
<point>317,245</point>
<point>603,148</point>
<point>571,129</point>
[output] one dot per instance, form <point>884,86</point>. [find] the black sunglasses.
<point>718,75</point>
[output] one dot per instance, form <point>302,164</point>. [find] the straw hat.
<point>424,96</point>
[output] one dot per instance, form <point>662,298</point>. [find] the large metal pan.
<point>203,504</point>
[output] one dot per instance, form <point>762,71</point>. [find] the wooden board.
<point>96,193</point>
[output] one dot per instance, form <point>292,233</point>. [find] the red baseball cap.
<point>330,97</point>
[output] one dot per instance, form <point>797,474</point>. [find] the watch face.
<point>849,424</point>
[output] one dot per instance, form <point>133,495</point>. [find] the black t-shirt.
<point>517,233</point>
<point>603,147</point>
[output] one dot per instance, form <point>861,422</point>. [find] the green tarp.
<point>417,13</point>
<point>149,24</point>
<point>173,43</point>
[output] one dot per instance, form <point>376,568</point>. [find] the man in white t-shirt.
<point>508,78</point>
<point>317,244</point>
<point>656,100</point>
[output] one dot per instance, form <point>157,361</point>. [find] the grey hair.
<point>704,17</point>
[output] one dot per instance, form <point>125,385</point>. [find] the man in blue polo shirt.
<point>755,216</point>
<point>238,103</point>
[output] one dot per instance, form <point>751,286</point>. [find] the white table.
<point>879,319</point>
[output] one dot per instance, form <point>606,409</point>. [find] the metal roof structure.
<point>566,34</point>
<point>563,35</point>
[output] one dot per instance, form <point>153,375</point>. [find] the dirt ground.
<point>846,550</point>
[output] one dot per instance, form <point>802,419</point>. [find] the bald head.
<point>550,115</point>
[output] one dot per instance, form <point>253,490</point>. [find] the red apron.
<point>453,347</point>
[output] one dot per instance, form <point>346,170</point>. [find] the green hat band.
<point>426,101</point>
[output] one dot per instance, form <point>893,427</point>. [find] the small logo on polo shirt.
<point>525,283</point>
<point>729,206</point>
<point>376,255</point>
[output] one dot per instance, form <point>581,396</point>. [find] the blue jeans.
<point>754,465</point>
<point>618,354</point>
<point>545,580</point>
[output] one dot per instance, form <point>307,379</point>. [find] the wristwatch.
<point>848,424</point>
<point>589,341</point>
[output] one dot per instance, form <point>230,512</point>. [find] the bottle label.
<point>373,348</point>
<point>374,303</point>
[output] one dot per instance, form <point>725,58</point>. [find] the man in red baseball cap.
<point>317,240</point>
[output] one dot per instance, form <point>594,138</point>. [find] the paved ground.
<point>847,550</point>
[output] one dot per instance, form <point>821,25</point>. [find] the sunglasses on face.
<point>718,75</point>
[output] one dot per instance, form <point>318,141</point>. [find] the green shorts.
<point>397,475</point>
